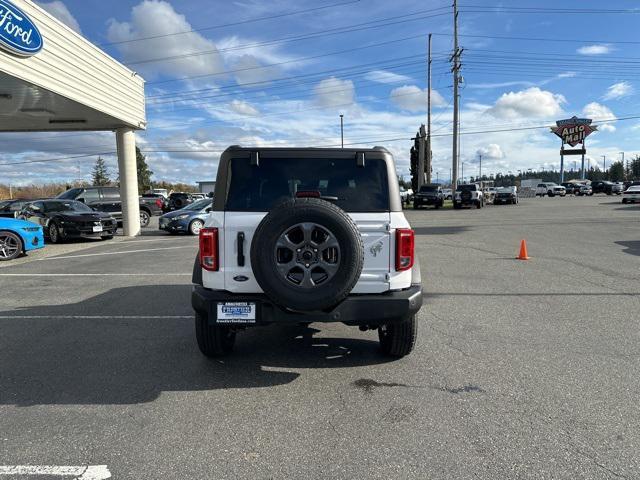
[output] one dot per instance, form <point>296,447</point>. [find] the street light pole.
<point>604,159</point>
<point>342,130</point>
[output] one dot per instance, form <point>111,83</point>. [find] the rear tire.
<point>145,218</point>
<point>214,340</point>
<point>398,339</point>
<point>54,233</point>
<point>195,227</point>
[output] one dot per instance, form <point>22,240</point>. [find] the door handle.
<point>241,249</point>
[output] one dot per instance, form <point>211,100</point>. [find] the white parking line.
<point>160,239</point>
<point>95,317</point>
<point>86,472</point>
<point>94,274</point>
<point>112,253</point>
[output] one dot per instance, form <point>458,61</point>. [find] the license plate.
<point>236,312</point>
<point>97,229</point>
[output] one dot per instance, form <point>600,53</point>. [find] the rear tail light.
<point>209,249</point>
<point>405,246</point>
<point>158,203</point>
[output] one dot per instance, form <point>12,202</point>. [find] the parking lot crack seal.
<point>598,464</point>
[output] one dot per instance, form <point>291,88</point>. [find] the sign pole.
<point>562,164</point>
<point>584,149</point>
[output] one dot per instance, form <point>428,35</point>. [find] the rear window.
<point>466,188</point>
<point>352,188</point>
<point>427,189</point>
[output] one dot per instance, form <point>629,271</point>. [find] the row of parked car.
<point>90,212</point>
<point>469,195</point>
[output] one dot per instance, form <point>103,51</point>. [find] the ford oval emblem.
<point>18,34</point>
<point>240,278</point>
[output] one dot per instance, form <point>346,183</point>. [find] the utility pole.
<point>342,130</point>
<point>429,165</point>
<point>626,170</point>
<point>421,155</point>
<point>480,172</point>
<point>604,159</point>
<point>456,79</point>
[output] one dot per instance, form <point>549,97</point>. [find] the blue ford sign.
<point>18,34</point>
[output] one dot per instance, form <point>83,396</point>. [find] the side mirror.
<point>34,209</point>
<point>81,200</point>
<point>208,210</point>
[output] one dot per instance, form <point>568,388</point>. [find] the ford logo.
<point>240,278</point>
<point>18,34</point>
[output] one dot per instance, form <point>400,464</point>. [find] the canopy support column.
<point>126,143</point>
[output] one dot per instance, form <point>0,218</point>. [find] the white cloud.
<point>618,90</point>
<point>601,49</point>
<point>59,10</point>
<point>385,76</point>
<point>600,113</point>
<point>532,103</point>
<point>243,108</point>
<point>414,99</point>
<point>248,69</point>
<point>333,91</point>
<point>153,18</point>
<point>492,151</point>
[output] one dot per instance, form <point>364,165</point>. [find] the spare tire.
<point>465,196</point>
<point>307,254</point>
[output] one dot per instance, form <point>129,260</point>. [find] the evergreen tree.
<point>144,174</point>
<point>100,174</point>
<point>616,172</point>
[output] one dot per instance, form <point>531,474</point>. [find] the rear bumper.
<point>370,310</point>
<point>426,200</point>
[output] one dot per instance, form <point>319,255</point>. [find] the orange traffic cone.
<point>523,251</point>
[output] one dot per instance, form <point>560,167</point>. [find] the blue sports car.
<point>17,237</point>
<point>189,219</point>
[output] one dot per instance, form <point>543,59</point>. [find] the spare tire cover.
<point>307,254</point>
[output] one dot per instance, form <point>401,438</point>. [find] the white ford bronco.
<point>297,236</point>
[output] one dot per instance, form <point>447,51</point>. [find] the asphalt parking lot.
<point>523,369</point>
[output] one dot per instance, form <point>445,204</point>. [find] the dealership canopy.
<point>53,79</point>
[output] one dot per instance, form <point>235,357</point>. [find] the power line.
<point>542,39</point>
<point>510,9</point>
<point>294,79</point>
<point>225,25</point>
<point>324,33</point>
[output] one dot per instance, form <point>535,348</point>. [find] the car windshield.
<point>428,189</point>
<point>70,194</point>
<point>199,205</point>
<point>353,188</point>
<point>466,188</point>
<point>71,206</point>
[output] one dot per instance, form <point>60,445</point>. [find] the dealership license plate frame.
<point>236,313</point>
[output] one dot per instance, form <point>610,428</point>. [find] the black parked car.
<point>178,200</point>
<point>606,187</point>
<point>11,208</point>
<point>107,199</point>
<point>572,188</point>
<point>428,195</point>
<point>66,219</point>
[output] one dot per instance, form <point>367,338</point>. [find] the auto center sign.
<point>574,130</point>
<point>18,34</point>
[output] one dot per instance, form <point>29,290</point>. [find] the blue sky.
<point>259,83</point>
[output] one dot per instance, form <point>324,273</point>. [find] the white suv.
<point>468,195</point>
<point>297,236</point>
<point>550,189</point>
